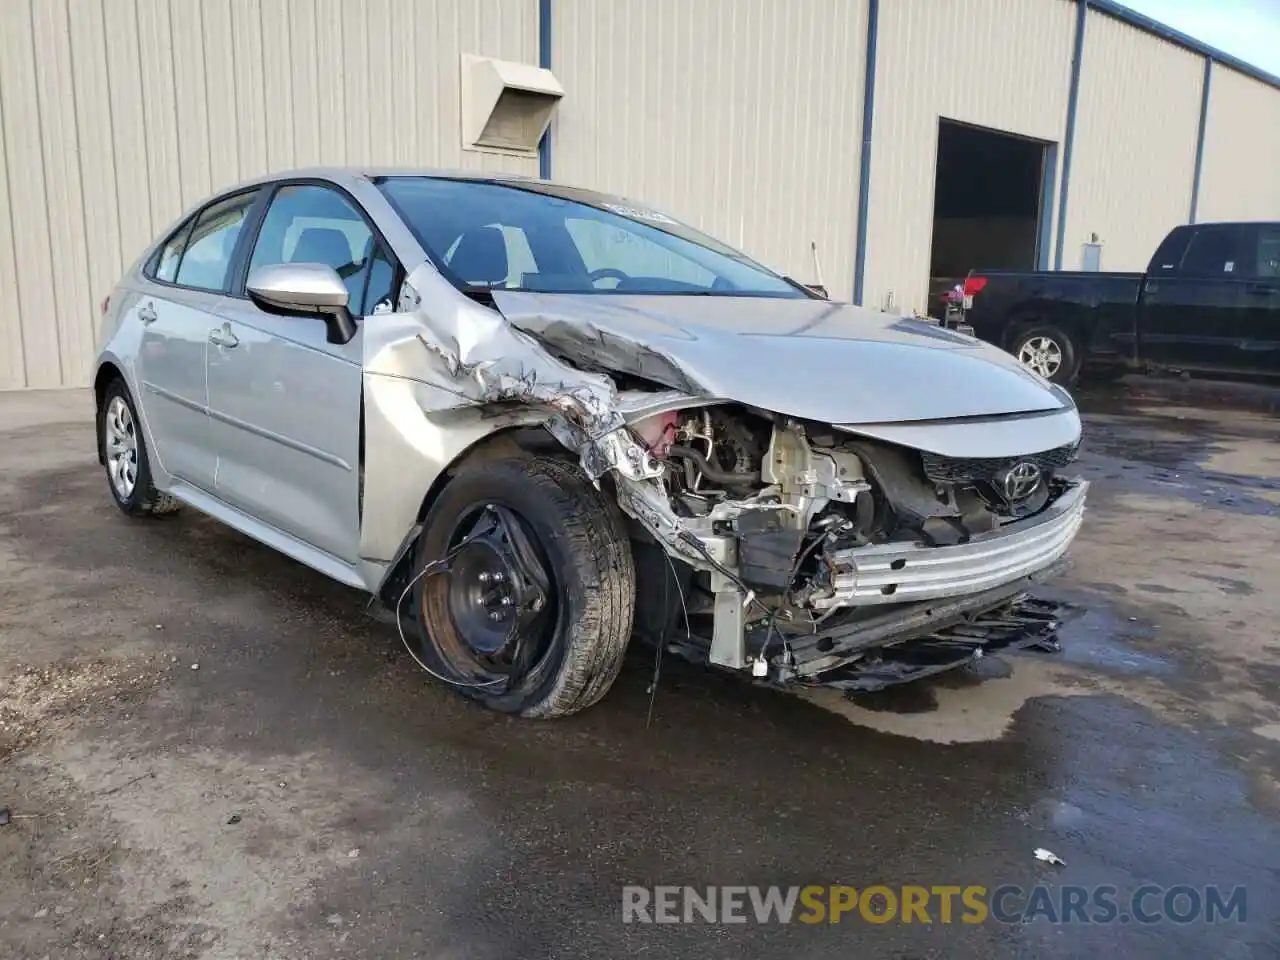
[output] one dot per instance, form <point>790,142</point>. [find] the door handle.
<point>147,313</point>
<point>223,337</point>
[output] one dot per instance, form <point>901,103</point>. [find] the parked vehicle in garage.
<point>530,417</point>
<point>1209,302</point>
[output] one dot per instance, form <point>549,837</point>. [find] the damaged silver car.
<point>538,421</point>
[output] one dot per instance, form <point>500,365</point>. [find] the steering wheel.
<point>606,273</point>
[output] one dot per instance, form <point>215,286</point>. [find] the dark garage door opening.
<point>987,202</point>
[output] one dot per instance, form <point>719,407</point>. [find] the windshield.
<point>536,236</point>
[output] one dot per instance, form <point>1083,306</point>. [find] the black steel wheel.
<point>528,604</point>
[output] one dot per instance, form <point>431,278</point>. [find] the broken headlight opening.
<point>803,553</point>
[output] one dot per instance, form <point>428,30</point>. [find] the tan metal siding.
<point>741,117</point>
<point>1240,176</point>
<point>64,196</point>
<point>115,115</point>
<point>1134,160</point>
<point>1004,64</point>
<point>24,160</point>
<point>103,207</point>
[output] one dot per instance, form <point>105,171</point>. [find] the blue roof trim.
<point>1132,17</point>
<point>1069,135</point>
<point>864,167</point>
<point>544,61</point>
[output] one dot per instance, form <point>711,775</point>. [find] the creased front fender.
<point>414,432</point>
<point>438,380</point>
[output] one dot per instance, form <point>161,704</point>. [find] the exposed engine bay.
<point>789,539</point>
<point>811,516</point>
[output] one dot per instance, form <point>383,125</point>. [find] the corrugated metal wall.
<point>1137,122</point>
<point>1004,64</point>
<point>117,114</point>
<point>741,117</point>
<point>1240,176</point>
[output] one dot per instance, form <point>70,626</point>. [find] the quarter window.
<point>379,293</point>
<point>166,262</point>
<point>312,224</point>
<point>206,265</point>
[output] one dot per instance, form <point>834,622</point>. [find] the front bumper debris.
<point>904,572</point>
<point>808,656</point>
<point>1021,623</point>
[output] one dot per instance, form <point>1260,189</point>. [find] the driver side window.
<point>307,223</point>
<point>604,246</point>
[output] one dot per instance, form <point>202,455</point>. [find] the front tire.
<point>125,456</point>
<point>1048,351</point>
<point>533,613</point>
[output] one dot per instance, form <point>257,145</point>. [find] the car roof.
<point>346,175</point>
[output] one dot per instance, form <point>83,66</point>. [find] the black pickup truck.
<point>1209,303</point>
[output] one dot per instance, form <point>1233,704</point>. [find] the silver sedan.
<point>538,421</point>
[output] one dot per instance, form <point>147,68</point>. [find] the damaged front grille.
<point>963,470</point>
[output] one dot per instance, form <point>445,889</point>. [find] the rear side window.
<point>206,264</point>
<point>1216,252</point>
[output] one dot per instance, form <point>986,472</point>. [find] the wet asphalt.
<point>377,814</point>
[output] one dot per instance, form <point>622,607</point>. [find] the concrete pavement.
<point>217,753</point>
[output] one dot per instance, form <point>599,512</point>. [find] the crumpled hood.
<point>811,359</point>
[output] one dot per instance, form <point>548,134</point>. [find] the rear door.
<point>1260,322</point>
<point>284,402</point>
<point>1191,313</point>
<point>186,280</point>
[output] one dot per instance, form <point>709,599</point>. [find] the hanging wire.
<point>434,567</point>
<point>662,636</point>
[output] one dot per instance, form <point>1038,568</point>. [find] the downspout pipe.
<point>864,172</point>
<point>1073,99</point>
<point>544,61</point>
<point>1204,119</point>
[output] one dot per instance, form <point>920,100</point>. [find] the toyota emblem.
<point>1022,480</point>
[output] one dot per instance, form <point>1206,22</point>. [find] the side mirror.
<point>304,290</point>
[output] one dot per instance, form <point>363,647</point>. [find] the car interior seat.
<point>481,257</point>
<point>327,245</point>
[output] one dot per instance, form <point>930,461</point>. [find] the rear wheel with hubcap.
<point>124,452</point>
<point>526,587</point>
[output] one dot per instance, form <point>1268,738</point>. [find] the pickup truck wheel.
<point>1048,351</point>
<point>532,610</point>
